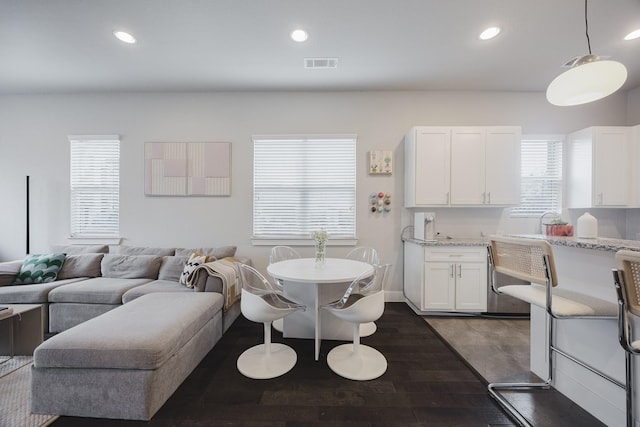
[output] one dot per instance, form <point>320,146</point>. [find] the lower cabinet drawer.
<point>456,254</point>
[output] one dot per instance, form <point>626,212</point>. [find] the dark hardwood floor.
<point>426,384</point>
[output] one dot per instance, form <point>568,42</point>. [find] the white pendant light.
<point>589,78</point>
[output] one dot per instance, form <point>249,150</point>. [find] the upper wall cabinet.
<point>427,166</point>
<point>635,162</point>
<point>462,166</point>
<point>599,167</point>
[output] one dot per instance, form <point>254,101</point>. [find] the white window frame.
<point>95,187</point>
<point>527,208</point>
<point>334,205</point>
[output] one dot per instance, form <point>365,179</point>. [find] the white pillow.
<point>192,263</point>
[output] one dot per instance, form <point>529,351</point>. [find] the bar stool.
<point>532,260</point>
<point>626,277</point>
<point>262,303</point>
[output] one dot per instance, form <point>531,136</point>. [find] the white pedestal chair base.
<point>278,325</point>
<point>368,364</point>
<point>368,329</point>
<point>257,364</point>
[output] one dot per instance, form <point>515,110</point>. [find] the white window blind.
<point>541,175</point>
<point>95,185</point>
<point>302,184</point>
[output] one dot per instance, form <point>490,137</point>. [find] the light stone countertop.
<point>599,244</point>
<point>455,241</point>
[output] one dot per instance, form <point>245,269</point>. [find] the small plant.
<point>320,237</point>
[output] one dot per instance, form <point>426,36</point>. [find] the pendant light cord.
<point>586,26</point>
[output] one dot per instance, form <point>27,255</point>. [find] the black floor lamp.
<point>27,215</point>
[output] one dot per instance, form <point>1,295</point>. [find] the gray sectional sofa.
<point>125,331</point>
<point>95,279</point>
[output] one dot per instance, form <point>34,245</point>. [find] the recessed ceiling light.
<point>489,33</point>
<point>124,37</point>
<point>299,35</point>
<point>633,35</point>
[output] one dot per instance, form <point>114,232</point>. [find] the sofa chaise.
<point>126,363</point>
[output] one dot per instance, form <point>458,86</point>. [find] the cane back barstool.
<point>532,260</point>
<point>626,277</point>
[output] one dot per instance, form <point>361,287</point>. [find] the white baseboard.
<point>393,296</point>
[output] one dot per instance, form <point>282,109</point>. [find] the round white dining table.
<point>313,286</point>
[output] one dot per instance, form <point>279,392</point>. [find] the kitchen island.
<point>584,265</point>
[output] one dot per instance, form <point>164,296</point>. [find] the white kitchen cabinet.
<point>635,165</point>
<point>427,166</point>
<point>468,166</point>
<point>599,172</point>
<point>462,166</point>
<point>446,278</point>
<point>502,165</point>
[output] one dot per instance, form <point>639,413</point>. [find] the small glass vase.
<point>320,255</point>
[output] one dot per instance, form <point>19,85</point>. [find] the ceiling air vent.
<point>320,63</point>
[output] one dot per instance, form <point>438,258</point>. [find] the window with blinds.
<point>95,186</point>
<point>302,184</point>
<point>541,175</point>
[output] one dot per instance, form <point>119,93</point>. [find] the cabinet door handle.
<point>600,198</point>
<point>484,198</point>
<point>489,198</point>
<point>460,270</point>
<point>452,274</point>
<point>447,198</point>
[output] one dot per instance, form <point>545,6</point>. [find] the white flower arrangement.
<point>320,236</point>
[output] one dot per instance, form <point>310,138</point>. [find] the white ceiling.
<point>55,46</point>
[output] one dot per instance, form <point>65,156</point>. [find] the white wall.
<point>33,141</point>
<point>633,107</point>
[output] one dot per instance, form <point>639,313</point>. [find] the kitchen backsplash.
<point>475,222</point>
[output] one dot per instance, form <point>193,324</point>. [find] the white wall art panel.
<point>187,168</point>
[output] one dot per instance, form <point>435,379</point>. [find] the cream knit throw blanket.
<point>227,270</point>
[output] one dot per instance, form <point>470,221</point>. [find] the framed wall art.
<point>187,168</point>
<point>381,162</point>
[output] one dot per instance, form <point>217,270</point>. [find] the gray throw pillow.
<point>9,271</point>
<point>140,250</point>
<point>131,266</point>
<point>172,267</point>
<point>82,265</point>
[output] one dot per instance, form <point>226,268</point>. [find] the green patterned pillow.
<point>42,268</point>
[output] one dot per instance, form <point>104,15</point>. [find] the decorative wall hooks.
<point>380,202</point>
